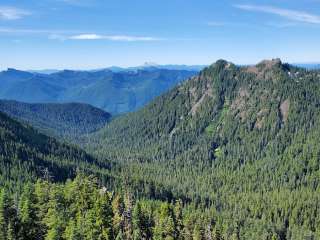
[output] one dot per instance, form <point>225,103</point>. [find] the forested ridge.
<point>232,154</point>
<point>68,120</point>
<point>26,155</point>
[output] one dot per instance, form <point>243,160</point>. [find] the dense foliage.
<point>62,120</point>
<point>243,141</point>
<point>26,155</point>
<point>83,209</point>
<point>232,154</point>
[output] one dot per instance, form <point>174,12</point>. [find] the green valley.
<point>232,153</point>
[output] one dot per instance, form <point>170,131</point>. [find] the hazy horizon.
<point>144,64</point>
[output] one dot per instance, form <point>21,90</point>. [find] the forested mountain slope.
<point>66,120</point>
<point>26,155</point>
<point>115,92</point>
<point>241,140</point>
<point>83,209</point>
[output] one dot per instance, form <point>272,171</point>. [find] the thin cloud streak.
<point>229,24</point>
<point>293,15</point>
<point>12,13</point>
<point>217,24</point>
<point>64,35</point>
<point>22,31</point>
<point>123,38</point>
<point>281,25</point>
<point>28,31</point>
<point>79,3</point>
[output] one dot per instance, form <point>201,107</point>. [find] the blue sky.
<point>87,34</point>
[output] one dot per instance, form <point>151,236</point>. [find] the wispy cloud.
<point>123,38</point>
<point>64,35</point>
<point>217,24</point>
<point>12,13</point>
<point>56,36</point>
<point>22,31</point>
<point>229,24</point>
<point>51,33</point>
<point>281,24</point>
<point>80,3</point>
<point>292,15</point>
<point>71,1</point>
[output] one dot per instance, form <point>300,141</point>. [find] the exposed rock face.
<point>238,106</point>
<point>207,93</point>
<point>284,110</point>
<point>270,63</point>
<point>263,67</point>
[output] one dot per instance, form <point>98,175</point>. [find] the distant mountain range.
<point>44,71</point>
<point>148,66</point>
<point>145,66</point>
<point>117,91</point>
<point>308,65</point>
<point>167,66</point>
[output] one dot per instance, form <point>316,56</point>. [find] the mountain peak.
<point>150,64</point>
<point>221,64</point>
<point>270,63</point>
<point>13,70</point>
<point>264,66</point>
<point>13,73</point>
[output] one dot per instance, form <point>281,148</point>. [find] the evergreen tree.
<point>188,227</point>
<point>11,235</point>
<point>71,232</point>
<point>28,213</point>
<point>138,222</point>
<point>178,219</point>
<point>55,219</point>
<point>164,227</point>
<point>3,214</point>
<point>42,193</point>
<point>103,214</point>
<point>217,234</point>
<point>128,228</point>
<point>120,236</point>
<point>274,237</point>
<point>141,223</point>
<point>118,217</point>
<point>198,232</point>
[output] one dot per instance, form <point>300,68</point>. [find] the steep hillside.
<point>66,120</point>
<point>25,155</point>
<point>115,92</point>
<point>241,140</point>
